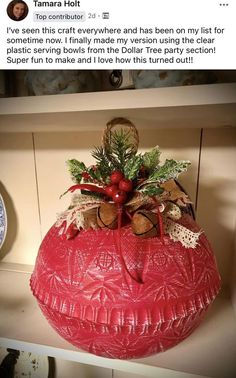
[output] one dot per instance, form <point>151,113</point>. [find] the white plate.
<point>3,221</point>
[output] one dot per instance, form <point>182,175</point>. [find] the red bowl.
<point>148,303</point>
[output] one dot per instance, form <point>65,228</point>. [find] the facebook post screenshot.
<point>98,34</point>
<point>117,189</point>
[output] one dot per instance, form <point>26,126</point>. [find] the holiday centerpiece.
<point>125,271</point>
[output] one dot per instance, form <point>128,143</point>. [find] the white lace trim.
<point>177,232</point>
<point>173,211</point>
<point>80,204</point>
<point>171,214</point>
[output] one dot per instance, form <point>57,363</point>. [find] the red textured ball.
<point>91,300</point>
<point>116,177</point>
<point>120,197</point>
<point>126,185</point>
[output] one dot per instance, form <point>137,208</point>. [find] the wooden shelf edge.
<point>200,106</point>
<point>198,116</point>
<point>205,94</point>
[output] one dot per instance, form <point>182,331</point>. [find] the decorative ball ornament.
<point>116,177</point>
<point>125,272</point>
<point>111,190</point>
<point>107,216</point>
<point>119,197</point>
<point>145,224</point>
<point>126,185</point>
<point>97,306</point>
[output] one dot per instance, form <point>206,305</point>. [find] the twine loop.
<point>123,123</point>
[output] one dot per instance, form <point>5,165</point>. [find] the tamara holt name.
<point>65,3</point>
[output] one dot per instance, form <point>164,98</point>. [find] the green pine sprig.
<point>104,166</point>
<point>143,169</point>
<point>121,149</point>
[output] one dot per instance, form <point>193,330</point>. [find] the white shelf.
<point>173,107</point>
<point>209,351</point>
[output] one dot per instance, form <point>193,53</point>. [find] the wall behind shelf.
<point>217,199</point>
<point>19,191</point>
<point>33,174</point>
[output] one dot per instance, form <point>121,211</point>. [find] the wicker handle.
<point>123,122</point>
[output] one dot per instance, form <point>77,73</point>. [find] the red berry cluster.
<point>119,187</point>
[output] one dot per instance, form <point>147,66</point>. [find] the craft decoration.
<point>121,177</point>
<point>125,271</point>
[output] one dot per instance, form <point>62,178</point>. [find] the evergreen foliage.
<point>143,169</point>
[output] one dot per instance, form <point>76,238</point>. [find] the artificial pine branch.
<point>120,149</point>
<point>104,165</point>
